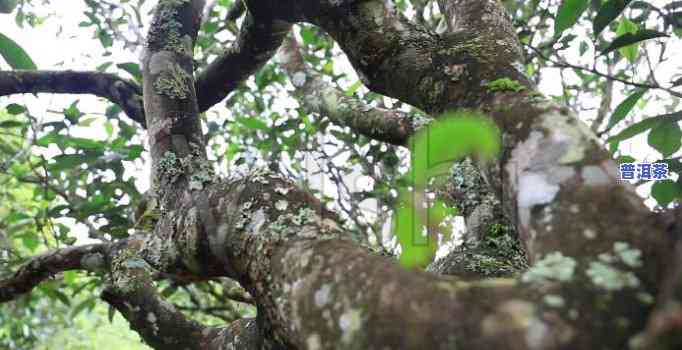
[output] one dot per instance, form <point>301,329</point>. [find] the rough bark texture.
<point>124,93</point>
<point>596,266</point>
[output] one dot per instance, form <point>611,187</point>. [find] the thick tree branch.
<point>124,93</point>
<point>258,40</point>
<point>235,11</point>
<point>44,266</point>
<point>396,58</point>
<point>170,99</point>
<point>390,126</point>
<point>133,294</point>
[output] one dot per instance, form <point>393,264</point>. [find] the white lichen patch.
<point>589,233</point>
<point>281,205</point>
<point>93,262</point>
<point>645,298</point>
<point>571,133</point>
<point>595,176</point>
<point>534,189</point>
<point>610,278</point>
<point>536,334</point>
<point>510,316</point>
<point>313,342</point>
<point>350,322</point>
<point>298,79</point>
<point>330,100</point>
<point>282,190</point>
<point>553,300</point>
<point>323,295</point>
<point>257,221</point>
<point>631,257</point>
<point>605,272</point>
<point>554,267</point>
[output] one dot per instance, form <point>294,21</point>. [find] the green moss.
<point>496,257</point>
<point>169,166</point>
<point>504,84</point>
<point>498,230</point>
<point>174,83</point>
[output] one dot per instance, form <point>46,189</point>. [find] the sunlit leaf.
<point>624,108</point>
<point>15,109</point>
<point>665,192</point>
<point>632,38</point>
<point>568,15</point>
<point>253,123</point>
<point>14,55</point>
<point>132,68</point>
<point>666,137</point>
<point>609,11</point>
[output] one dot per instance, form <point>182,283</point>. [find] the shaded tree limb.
<point>380,124</point>
<point>133,294</point>
<point>235,11</point>
<point>44,266</point>
<point>122,92</point>
<point>257,42</point>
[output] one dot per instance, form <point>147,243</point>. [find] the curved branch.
<point>133,294</point>
<point>257,42</point>
<point>124,93</point>
<point>49,264</point>
<point>234,12</point>
<point>390,126</point>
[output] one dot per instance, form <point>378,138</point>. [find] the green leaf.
<point>85,144</point>
<point>308,34</point>
<point>132,68</point>
<point>417,249</point>
<point>624,108</point>
<point>50,138</point>
<point>7,6</point>
<point>111,313</point>
<point>67,161</point>
<point>88,303</point>
<point>569,12</point>
<point>353,88</point>
<point>253,123</point>
<point>86,122</point>
<point>73,113</point>
<point>625,159</point>
<point>630,52</point>
<point>15,56</point>
<point>53,293</point>
<point>448,139</point>
<point>11,124</point>
<point>15,109</point>
<point>105,38</point>
<point>666,137</point>
<point>607,13</point>
<point>70,277</point>
<point>665,192</point>
<point>433,151</point>
<point>109,128</point>
<point>635,129</point>
<point>632,38</point>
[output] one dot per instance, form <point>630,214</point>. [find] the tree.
<point>604,268</point>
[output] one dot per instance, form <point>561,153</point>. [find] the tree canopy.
<point>340,174</point>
